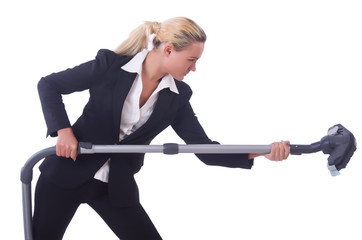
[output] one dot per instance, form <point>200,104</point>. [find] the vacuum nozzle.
<point>339,143</point>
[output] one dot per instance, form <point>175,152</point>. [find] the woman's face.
<point>180,63</point>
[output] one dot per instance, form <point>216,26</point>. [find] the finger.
<point>71,151</point>
<point>287,149</point>
<point>74,153</point>
<point>281,151</point>
<point>68,151</point>
<point>278,152</point>
<point>60,150</point>
<point>272,152</point>
<point>63,150</point>
<point>274,155</point>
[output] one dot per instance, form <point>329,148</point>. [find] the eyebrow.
<point>194,58</point>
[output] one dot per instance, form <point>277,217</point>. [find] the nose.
<point>193,67</point>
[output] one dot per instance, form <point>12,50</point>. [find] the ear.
<point>168,49</point>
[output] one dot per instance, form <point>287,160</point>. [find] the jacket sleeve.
<point>187,126</point>
<point>52,87</point>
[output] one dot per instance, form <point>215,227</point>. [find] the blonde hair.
<point>179,31</point>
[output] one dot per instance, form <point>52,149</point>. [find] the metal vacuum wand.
<point>340,144</point>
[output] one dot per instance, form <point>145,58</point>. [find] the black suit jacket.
<point>99,123</point>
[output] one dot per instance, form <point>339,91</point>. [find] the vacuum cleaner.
<point>339,143</point>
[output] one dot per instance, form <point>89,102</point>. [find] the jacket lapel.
<point>165,103</point>
<point>122,87</point>
<point>160,118</point>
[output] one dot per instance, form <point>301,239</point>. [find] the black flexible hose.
<point>300,149</point>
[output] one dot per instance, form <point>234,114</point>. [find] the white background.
<point>271,71</point>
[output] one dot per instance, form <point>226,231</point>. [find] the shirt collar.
<point>135,66</point>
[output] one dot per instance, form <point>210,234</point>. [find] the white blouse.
<point>133,117</point>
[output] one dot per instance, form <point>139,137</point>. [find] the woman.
<point>135,93</point>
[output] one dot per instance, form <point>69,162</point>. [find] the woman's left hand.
<point>279,151</point>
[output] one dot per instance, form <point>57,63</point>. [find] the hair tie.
<point>150,41</point>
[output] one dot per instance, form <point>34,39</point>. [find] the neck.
<point>151,68</point>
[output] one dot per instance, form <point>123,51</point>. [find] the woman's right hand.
<point>67,144</point>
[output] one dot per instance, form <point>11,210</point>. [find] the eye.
<point>192,60</point>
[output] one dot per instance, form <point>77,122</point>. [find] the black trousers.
<point>55,208</point>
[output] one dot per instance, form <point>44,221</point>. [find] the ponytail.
<point>138,39</point>
<point>180,32</point>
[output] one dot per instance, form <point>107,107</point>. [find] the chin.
<point>180,78</point>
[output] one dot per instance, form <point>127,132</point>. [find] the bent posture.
<point>136,92</point>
